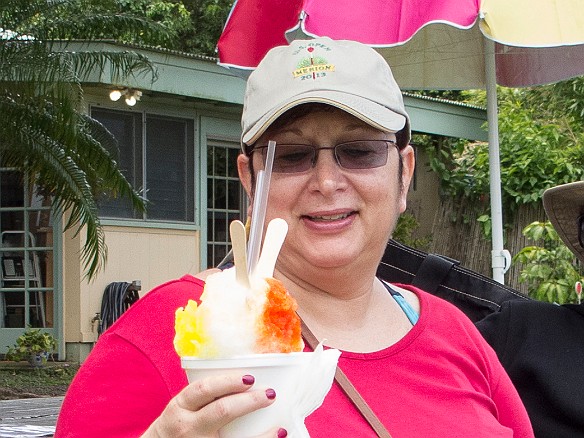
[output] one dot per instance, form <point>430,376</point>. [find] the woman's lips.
<point>329,218</point>
<point>330,222</point>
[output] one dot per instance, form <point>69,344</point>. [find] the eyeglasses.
<point>359,154</point>
<point>581,230</point>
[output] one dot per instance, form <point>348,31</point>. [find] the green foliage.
<point>208,18</point>
<point>541,145</point>
<point>44,133</point>
<point>549,270</point>
<point>173,15</point>
<point>406,225</point>
<point>32,342</point>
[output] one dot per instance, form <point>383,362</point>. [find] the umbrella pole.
<point>501,259</point>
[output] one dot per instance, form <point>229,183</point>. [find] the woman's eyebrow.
<point>288,130</point>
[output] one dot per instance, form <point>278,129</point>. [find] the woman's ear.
<point>245,175</point>
<point>409,164</point>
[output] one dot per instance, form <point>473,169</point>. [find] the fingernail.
<point>248,380</point>
<point>271,394</point>
<point>282,433</point>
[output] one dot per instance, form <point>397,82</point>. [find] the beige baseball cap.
<point>345,74</point>
<point>564,205</point>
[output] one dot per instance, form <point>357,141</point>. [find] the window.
<point>156,154</point>
<point>26,254</point>
<point>225,197</point>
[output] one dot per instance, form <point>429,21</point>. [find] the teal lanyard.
<point>411,314</point>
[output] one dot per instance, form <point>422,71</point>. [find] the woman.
<point>340,179</point>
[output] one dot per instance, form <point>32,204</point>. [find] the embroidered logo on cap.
<point>312,67</point>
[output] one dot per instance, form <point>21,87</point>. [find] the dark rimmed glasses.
<point>581,230</point>
<point>358,154</point>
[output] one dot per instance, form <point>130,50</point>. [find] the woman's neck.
<point>358,316</point>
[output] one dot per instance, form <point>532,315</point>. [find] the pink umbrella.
<point>430,44</point>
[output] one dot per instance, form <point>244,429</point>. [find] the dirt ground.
<point>20,380</point>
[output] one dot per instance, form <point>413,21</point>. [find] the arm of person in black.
<point>541,347</point>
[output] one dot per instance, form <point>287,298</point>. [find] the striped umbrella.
<point>432,45</point>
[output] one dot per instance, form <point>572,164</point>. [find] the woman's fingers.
<point>206,405</point>
<point>202,392</point>
<point>226,409</point>
<point>276,432</point>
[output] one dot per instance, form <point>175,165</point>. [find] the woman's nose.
<point>327,173</point>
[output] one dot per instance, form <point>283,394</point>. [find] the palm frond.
<point>36,152</point>
<point>43,133</point>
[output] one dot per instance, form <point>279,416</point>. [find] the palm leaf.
<point>43,134</point>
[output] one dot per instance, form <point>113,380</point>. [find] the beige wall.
<point>152,256</point>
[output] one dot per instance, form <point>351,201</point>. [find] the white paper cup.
<point>280,371</point>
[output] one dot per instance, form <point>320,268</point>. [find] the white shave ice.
<point>230,313</point>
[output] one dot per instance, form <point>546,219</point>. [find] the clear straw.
<point>258,216</point>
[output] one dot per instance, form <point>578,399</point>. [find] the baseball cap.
<point>345,74</point>
<point>564,205</point>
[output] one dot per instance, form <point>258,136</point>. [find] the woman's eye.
<point>293,156</point>
<point>357,152</point>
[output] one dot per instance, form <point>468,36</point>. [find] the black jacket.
<point>541,345</point>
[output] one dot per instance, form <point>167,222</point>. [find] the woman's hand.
<point>204,406</point>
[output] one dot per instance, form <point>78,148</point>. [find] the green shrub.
<point>407,224</point>
<point>550,270</point>
<point>32,342</point>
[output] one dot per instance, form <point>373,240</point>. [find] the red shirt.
<point>441,379</point>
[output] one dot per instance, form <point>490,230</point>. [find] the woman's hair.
<point>298,112</point>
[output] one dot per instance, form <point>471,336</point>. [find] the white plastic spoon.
<point>239,245</point>
<point>275,235</point>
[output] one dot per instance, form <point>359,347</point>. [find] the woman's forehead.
<point>298,121</point>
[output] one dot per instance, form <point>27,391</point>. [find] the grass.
<point>20,380</point>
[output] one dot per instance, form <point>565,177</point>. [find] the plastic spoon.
<point>238,243</point>
<point>275,235</point>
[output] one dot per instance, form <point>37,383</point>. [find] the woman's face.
<point>336,217</point>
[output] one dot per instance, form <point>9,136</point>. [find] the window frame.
<point>140,159</point>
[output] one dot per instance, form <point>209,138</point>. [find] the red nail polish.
<point>270,393</point>
<point>248,380</point>
<point>282,433</point>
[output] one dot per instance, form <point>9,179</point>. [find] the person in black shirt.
<point>541,345</point>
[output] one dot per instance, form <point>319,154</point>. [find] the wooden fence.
<point>456,233</point>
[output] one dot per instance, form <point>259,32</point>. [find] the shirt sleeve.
<point>113,394</point>
<point>495,328</point>
<point>132,372</point>
<point>510,408</point>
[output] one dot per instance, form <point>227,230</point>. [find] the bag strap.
<point>475,294</point>
<point>432,272</point>
<point>349,389</point>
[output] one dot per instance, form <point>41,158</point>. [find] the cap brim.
<point>378,116</point>
<point>563,205</point>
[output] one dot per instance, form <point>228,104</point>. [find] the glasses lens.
<point>293,158</point>
<point>362,154</point>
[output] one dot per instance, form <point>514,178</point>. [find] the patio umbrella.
<point>430,45</point>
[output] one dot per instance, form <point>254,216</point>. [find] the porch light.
<point>115,95</point>
<point>131,95</point>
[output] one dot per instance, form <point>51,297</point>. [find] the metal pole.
<point>500,257</point>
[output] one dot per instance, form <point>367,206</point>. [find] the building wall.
<point>152,256</point>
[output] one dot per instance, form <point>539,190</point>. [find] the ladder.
<point>13,250</point>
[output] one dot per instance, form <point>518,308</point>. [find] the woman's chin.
<point>331,257</point>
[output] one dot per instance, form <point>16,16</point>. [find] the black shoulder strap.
<point>432,272</point>
<point>475,294</point>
